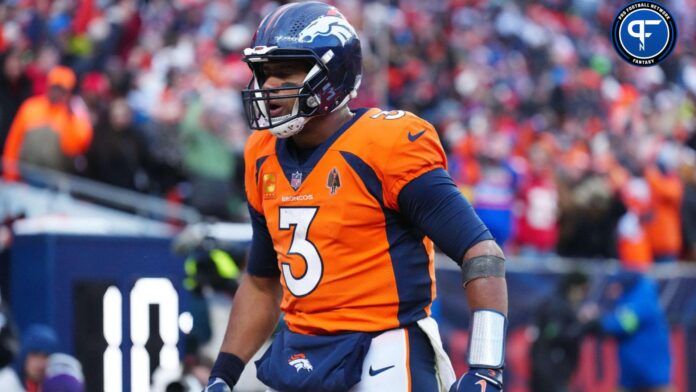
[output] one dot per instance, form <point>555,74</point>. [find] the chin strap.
<point>288,129</point>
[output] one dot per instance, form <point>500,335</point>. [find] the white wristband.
<point>487,339</point>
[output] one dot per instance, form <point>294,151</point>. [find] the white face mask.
<point>288,129</point>
<point>295,125</point>
<point>292,127</point>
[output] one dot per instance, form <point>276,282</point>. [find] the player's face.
<point>283,75</point>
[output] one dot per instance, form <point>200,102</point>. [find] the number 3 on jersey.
<point>301,218</point>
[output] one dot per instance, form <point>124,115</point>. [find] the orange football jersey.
<point>348,260</point>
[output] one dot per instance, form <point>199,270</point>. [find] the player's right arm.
<point>255,309</point>
<point>254,315</point>
<point>256,305</point>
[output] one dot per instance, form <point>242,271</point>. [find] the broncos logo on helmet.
<point>328,26</point>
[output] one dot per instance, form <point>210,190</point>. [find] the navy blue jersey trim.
<point>367,175</point>
<point>410,261</point>
<point>263,260</point>
<point>421,360</point>
<point>259,163</point>
<point>287,158</point>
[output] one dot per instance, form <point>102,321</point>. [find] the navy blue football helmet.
<point>312,32</point>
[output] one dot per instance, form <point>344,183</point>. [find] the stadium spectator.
<point>637,320</point>
<point>633,243</point>
<point>29,369</point>
<point>537,224</point>
<point>95,90</point>
<point>15,87</point>
<point>49,128</point>
<point>208,161</point>
<point>556,348</point>
<point>664,227</point>
<point>494,193</point>
<point>63,374</point>
<point>589,214</point>
<point>118,154</point>
<point>46,57</point>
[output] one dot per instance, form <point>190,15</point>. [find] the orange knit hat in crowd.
<point>62,76</point>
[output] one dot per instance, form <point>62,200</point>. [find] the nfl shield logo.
<point>296,180</point>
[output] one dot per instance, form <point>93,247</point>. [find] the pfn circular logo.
<point>644,33</point>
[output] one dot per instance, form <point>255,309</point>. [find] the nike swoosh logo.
<point>378,371</point>
<point>413,138</point>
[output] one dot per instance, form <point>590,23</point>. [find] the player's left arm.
<point>436,206</point>
<point>486,292</point>
<point>424,192</point>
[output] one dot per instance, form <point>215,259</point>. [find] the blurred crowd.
<point>629,311</point>
<point>561,146</point>
<point>38,365</point>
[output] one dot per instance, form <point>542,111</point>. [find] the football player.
<point>345,206</point>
